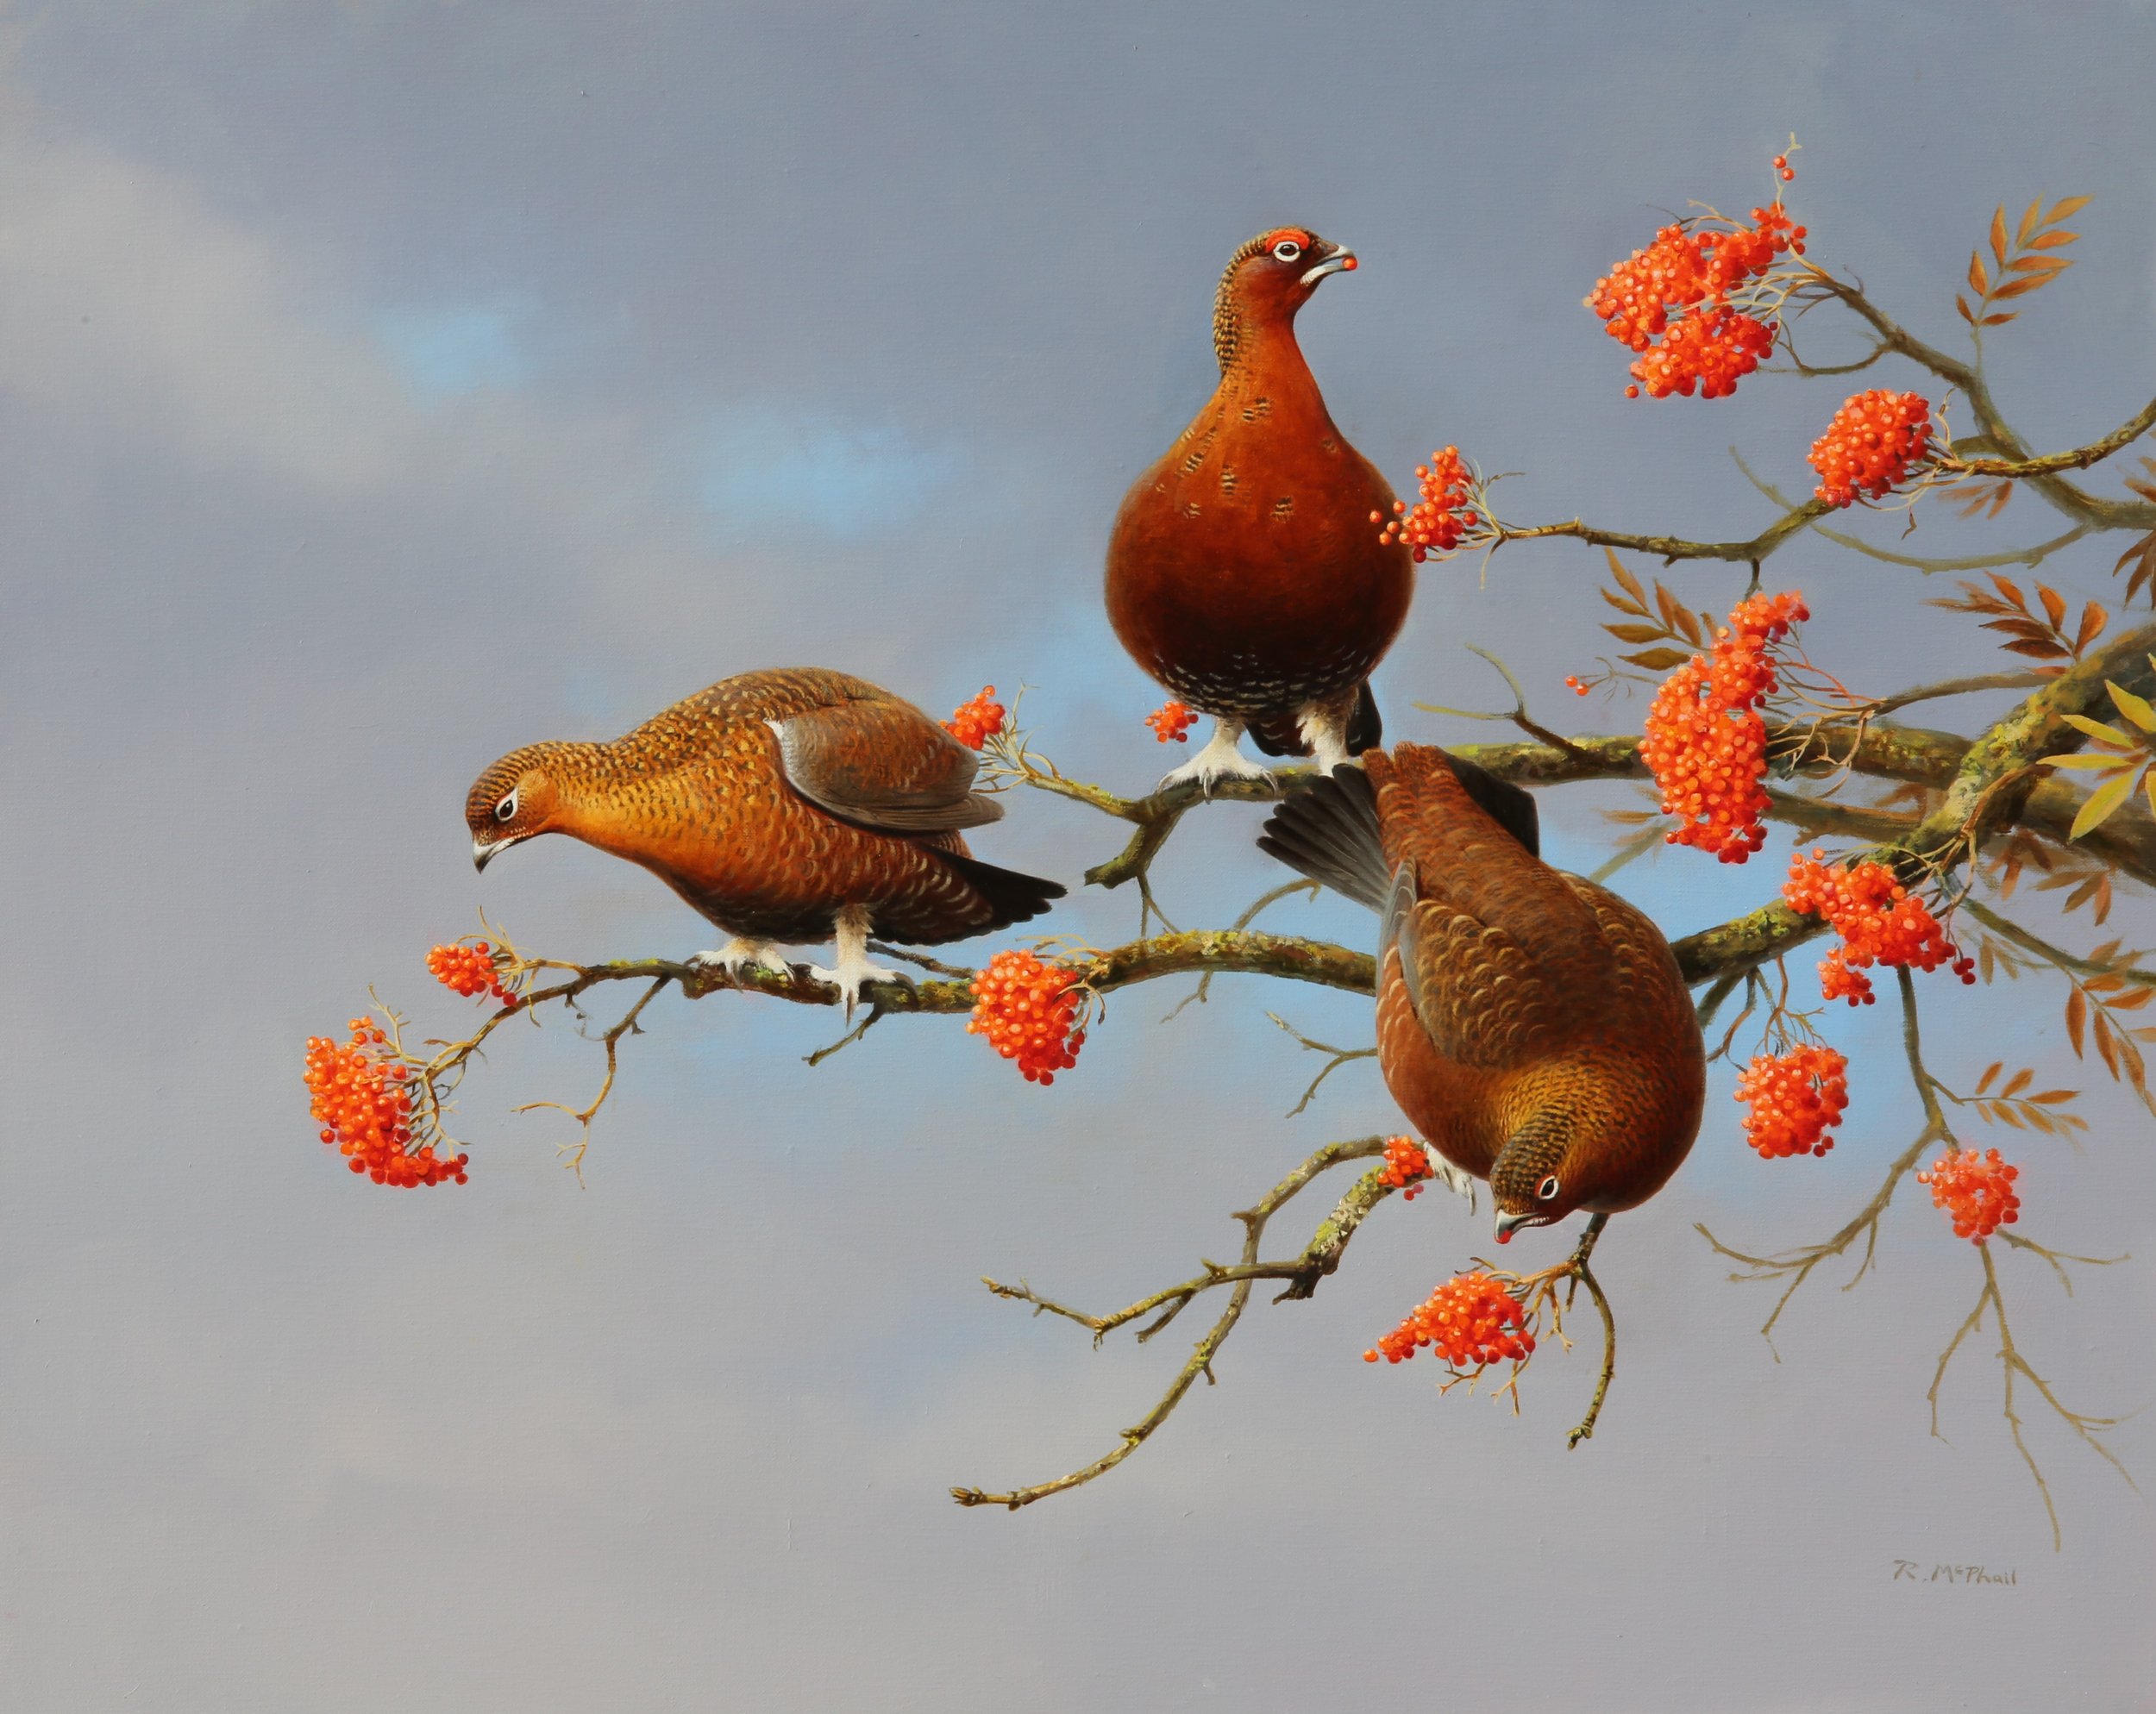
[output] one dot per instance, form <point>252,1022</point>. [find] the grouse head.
<point>1584,1144</point>
<point>1268,280</point>
<point>511,801</point>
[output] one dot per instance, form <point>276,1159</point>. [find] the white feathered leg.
<point>854,968</point>
<point>1220,759</point>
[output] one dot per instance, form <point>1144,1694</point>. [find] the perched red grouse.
<point>1533,1025</point>
<point>785,806</point>
<point>1244,572</point>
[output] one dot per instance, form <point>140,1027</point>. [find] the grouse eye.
<point>1547,1190</point>
<point>506,809</point>
<point>1287,250</point>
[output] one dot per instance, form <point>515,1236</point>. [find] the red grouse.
<point>785,806</point>
<point>1244,572</point>
<point>1533,1025</point>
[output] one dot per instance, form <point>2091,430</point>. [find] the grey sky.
<point>385,386</point>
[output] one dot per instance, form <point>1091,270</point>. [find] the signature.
<point>1913,1571</point>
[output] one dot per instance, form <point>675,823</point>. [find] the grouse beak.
<point>1509,1223</point>
<point>1342,260</point>
<point>483,854</point>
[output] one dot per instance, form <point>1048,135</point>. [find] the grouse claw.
<point>739,954</point>
<point>1221,759</point>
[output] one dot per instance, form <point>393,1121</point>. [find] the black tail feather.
<point>1014,897</point>
<point>1510,806</point>
<point>1366,727</point>
<point>1327,830</point>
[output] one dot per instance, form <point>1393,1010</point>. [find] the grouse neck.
<point>1266,360</point>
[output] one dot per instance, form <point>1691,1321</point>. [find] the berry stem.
<point>1585,1275</point>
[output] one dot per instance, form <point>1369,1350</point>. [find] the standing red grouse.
<point>785,806</point>
<point>1244,572</point>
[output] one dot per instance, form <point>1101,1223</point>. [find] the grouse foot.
<point>1220,759</point>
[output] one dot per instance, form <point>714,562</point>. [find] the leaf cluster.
<point>1661,621</point>
<point>2040,638</point>
<point>2020,265</point>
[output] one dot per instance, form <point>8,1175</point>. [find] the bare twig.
<point>1240,1277</point>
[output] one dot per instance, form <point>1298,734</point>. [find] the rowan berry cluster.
<point>1406,1167</point>
<point>1875,440</point>
<point>1028,1011</point>
<point>1469,1321</point>
<point>469,968</point>
<point>1976,1189</point>
<point>1796,1097</point>
<point>1438,521</point>
<point>1171,723</point>
<point>1879,920</point>
<point>1678,291</point>
<point>363,1100</point>
<point>974,722</point>
<point>1705,742</point>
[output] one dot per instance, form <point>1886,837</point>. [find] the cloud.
<point>772,470</point>
<point>460,348</point>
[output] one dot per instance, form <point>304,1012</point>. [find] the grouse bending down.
<point>793,805</point>
<point>1245,571</point>
<point>1533,1025</point>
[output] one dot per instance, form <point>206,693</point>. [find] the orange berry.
<point>974,722</point>
<point>1029,1011</point>
<point>1976,1191</point>
<point>1796,1100</point>
<point>1470,1320</point>
<point>1172,720</point>
<point>1873,443</point>
<point>1705,742</point>
<point>1443,517</point>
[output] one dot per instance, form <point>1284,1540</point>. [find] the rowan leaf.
<point>1979,282</point>
<point>2066,208</point>
<point>1962,304</point>
<point>2076,1018</point>
<point>1620,603</point>
<point>2029,221</point>
<point>1999,320</point>
<point>1657,659</point>
<point>1998,233</point>
<point>2100,730</point>
<point>2050,240</point>
<point>2102,802</point>
<point>2054,604</point>
<point>2021,287</point>
<point>2135,708</point>
<point>2041,651</point>
<point>2039,264</point>
<point>2099,764</point>
<point>2093,620</point>
<point>2017,1082</point>
<point>1990,1071</point>
<point>2107,1049</point>
<point>1630,584</point>
<point>1636,634</point>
